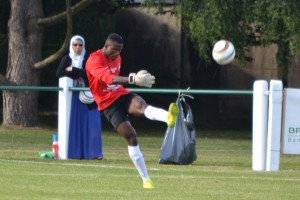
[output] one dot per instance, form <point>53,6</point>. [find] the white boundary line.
<point>254,177</point>
<point>72,164</point>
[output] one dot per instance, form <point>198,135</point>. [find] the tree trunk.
<point>24,49</point>
<point>283,62</point>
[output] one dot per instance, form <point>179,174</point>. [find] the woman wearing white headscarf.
<point>85,137</point>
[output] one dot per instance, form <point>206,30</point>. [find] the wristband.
<point>131,78</point>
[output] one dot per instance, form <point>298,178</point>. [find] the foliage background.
<point>204,22</point>
<point>94,23</point>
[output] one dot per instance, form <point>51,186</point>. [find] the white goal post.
<point>275,124</point>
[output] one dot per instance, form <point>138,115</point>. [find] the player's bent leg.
<point>172,114</point>
<point>137,106</point>
<point>157,114</point>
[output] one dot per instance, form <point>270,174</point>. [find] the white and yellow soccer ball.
<point>223,52</point>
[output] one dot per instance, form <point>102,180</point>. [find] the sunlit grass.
<point>222,170</point>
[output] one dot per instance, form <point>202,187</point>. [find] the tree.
<point>279,23</point>
<point>246,23</point>
<point>26,27</point>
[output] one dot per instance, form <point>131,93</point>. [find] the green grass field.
<point>222,170</point>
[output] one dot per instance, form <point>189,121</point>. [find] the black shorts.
<point>117,112</point>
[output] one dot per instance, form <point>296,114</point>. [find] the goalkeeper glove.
<point>142,78</point>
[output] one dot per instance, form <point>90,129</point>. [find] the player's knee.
<point>139,103</point>
<point>132,140</point>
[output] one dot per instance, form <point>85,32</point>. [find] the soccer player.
<point>116,102</point>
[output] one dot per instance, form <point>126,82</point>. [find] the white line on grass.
<point>202,176</point>
<point>185,176</point>
<point>73,164</point>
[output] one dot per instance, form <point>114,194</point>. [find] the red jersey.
<point>100,72</point>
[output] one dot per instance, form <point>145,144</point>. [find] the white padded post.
<point>259,125</point>
<point>274,125</point>
<point>64,110</point>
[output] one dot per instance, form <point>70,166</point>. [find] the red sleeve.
<point>98,70</point>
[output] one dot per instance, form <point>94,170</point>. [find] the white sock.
<point>138,161</point>
<point>156,114</point>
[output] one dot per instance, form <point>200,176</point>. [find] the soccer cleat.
<point>148,184</point>
<point>172,115</point>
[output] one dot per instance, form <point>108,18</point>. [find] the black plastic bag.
<point>179,145</point>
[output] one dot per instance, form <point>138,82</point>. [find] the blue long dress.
<point>85,133</point>
<point>85,141</point>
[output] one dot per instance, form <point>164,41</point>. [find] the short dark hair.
<point>114,37</point>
